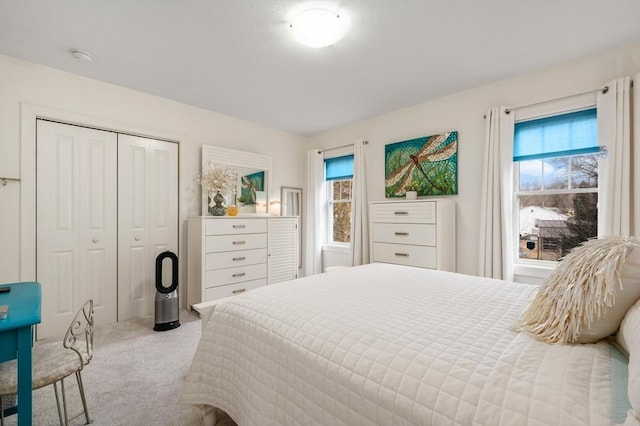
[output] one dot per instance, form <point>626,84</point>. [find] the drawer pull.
<point>402,254</point>
<point>401,213</point>
<point>236,259</point>
<point>239,242</point>
<point>402,234</point>
<point>239,226</point>
<point>239,274</point>
<point>242,290</point>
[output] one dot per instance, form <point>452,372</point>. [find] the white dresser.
<point>414,233</point>
<point>230,255</point>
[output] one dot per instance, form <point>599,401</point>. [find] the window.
<point>556,183</point>
<point>339,179</point>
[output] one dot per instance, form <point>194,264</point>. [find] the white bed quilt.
<point>391,345</point>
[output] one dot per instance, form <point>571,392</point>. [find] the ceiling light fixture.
<point>81,55</point>
<point>319,27</point>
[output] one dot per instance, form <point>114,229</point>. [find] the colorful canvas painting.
<point>250,184</point>
<point>428,165</point>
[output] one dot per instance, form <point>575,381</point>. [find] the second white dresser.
<point>414,233</point>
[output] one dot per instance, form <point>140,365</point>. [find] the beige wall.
<point>464,112</point>
<point>26,82</point>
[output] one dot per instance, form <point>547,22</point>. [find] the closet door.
<point>76,224</point>
<point>147,219</point>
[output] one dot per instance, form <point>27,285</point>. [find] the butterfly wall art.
<point>429,163</point>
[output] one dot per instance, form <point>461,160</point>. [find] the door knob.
<point>95,240</point>
<point>137,238</point>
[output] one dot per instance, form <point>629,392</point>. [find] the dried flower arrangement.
<point>216,179</point>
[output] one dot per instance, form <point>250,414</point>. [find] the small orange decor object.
<point>232,210</point>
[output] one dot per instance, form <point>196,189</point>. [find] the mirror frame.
<point>234,158</point>
<point>283,191</point>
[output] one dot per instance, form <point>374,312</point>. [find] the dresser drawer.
<point>420,234</point>
<point>422,212</point>
<point>421,256</point>
<point>225,226</point>
<point>231,259</point>
<point>220,277</point>
<point>229,290</point>
<point>218,243</point>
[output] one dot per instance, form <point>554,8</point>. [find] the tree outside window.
<point>339,201</point>
<point>338,181</point>
<point>557,205</point>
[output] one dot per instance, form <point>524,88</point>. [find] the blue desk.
<point>16,338</point>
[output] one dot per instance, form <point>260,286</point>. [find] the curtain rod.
<point>604,89</point>
<point>320,151</point>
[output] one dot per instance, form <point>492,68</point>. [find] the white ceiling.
<point>237,57</point>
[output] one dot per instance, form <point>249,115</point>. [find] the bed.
<point>385,344</point>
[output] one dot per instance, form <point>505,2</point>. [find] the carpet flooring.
<point>134,379</point>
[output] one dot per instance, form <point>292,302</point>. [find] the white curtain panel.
<point>359,246</point>
<point>635,152</point>
<point>314,213</point>
<point>496,217</point>
<point>618,212</point>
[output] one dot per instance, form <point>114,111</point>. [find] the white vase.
<point>412,195</point>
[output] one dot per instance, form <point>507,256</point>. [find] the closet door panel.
<point>136,173</point>
<point>163,202</point>
<point>76,223</point>
<point>98,222</point>
<point>159,199</point>
<point>63,279</point>
<point>97,280</point>
<point>135,289</point>
<point>138,274</point>
<point>148,218</point>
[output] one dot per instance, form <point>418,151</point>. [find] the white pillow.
<point>628,338</point>
<point>625,297</point>
<point>587,295</point>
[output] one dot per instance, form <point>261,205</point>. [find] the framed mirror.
<point>290,201</point>
<point>254,178</point>
<point>291,205</point>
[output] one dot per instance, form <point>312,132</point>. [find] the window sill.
<point>336,248</point>
<point>539,269</point>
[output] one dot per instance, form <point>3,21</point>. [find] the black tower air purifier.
<point>167,307</point>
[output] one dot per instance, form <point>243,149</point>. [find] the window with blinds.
<point>556,183</point>
<point>339,184</point>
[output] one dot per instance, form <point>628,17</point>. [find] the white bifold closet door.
<point>107,205</point>
<point>147,219</point>
<point>76,223</point>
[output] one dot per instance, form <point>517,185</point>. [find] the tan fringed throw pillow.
<point>586,297</point>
